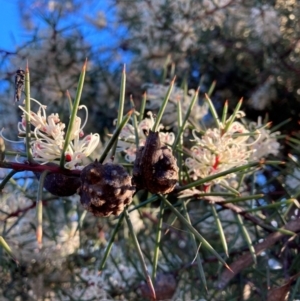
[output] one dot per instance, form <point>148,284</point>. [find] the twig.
<point>38,168</point>
<point>238,210</point>
<point>25,209</point>
<point>245,260</point>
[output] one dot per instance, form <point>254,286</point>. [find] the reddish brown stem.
<point>38,168</point>
<point>247,259</point>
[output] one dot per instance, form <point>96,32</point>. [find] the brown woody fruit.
<point>59,184</point>
<point>155,167</point>
<point>105,189</point>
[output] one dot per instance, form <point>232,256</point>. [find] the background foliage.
<point>246,49</point>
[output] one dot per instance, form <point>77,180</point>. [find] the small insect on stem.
<point>19,83</point>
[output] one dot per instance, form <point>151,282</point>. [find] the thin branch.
<point>246,260</point>
<point>38,168</point>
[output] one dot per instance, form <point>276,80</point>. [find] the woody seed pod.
<point>59,184</point>
<point>105,189</point>
<point>155,167</point>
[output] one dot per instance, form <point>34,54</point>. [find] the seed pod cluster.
<point>155,167</point>
<point>105,188</point>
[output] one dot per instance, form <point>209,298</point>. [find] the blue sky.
<point>11,32</point>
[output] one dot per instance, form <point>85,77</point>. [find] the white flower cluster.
<point>156,94</point>
<point>266,141</point>
<point>48,138</point>
<point>265,22</point>
<point>219,150</point>
<point>174,29</point>
<point>263,94</point>
<point>170,27</point>
<point>127,137</point>
<point>226,147</point>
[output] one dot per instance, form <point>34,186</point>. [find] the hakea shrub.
<point>232,143</point>
<point>106,188</point>
<point>158,161</point>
